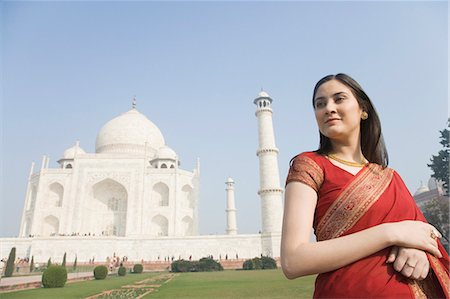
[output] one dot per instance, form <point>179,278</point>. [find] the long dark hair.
<point>372,143</point>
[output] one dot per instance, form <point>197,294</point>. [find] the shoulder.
<point>307,168</point>
<point>312,158</point>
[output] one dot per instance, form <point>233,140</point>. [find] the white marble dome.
<point>130,132</point>
<point>72,151</point>
<point>423,188</point>
<point>263,94</point>
<point>166,152</point>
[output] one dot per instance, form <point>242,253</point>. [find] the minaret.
<point>231,209</point>
<point>270,191</point>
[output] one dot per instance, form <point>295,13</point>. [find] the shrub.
<point>64,260</point>
<point>54,277</point>
<point>10,263</point>
<point>256,263</point>
<point>248,265</point>
<point>32,264</point>
<point>75,264</point>
<point>181,266</point>
<point>138,268</point>
<point>207,264</point>
<point>122,271</point>
<point>268,263</point>
<point>203,265</point>
<point>100,272</point>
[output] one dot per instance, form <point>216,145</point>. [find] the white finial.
<point>133,105</point>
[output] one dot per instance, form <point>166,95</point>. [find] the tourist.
<point>373,241</point>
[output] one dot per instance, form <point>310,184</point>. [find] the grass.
<point>78,289</point>
<point>270,284</point>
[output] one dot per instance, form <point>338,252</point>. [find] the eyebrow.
<point>337,93</point>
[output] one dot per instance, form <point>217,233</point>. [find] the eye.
<point>320,104</point>
<point>339,99</point>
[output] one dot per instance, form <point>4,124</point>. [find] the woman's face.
<point>338,113</point>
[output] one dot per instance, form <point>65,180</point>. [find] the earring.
<point>364,115</point>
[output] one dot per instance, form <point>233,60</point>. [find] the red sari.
<point>350,203</point>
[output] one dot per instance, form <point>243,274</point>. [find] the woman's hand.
<point>412,263</point>
<point>415,234</point>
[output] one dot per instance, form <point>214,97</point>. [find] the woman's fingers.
<point>425,271</point>
<point>407,270</point>
<point>392,255</point>
<point>399,263</point>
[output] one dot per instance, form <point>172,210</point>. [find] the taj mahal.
<point>131,197</point>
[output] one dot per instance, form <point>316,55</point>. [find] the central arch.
<point>107,210</point>
<point>160,226</point>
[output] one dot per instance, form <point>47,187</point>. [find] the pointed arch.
<point>160,195</point>
<point>50,226</point>
<point>55,195</point>
<point>160,226</point>
<point>188,226</point>
<point>107,210</point>
<point>188,196</point>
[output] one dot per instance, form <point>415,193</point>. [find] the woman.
<point>373,241</point>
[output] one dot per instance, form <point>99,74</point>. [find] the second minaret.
<point>231,209</point>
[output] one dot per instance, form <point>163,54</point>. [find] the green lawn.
<point>79,289</point>
<point>270,284</point>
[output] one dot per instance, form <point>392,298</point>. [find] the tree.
<point>49,262</point>
<point>436,213</point>
<point>64,260</point>
<point>440,162</point>
<point>75,264</point>
<point>10,263</point>
<point>32,263</point>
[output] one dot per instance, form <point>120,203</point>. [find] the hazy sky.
<point>195,68</point>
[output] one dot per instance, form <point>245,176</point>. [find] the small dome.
<point>423,188</point>
<point>262,97</point>
<point>129,132</point>
<point>263,94</point>
<point>72,151</point>
<point>230,180</point>
<point>166,152</point>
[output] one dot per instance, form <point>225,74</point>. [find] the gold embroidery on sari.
<point>354,201</point>
<point>306,170</point>
<point>441,274</point>
<point>417,290</point>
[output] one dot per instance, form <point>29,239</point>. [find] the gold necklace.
<point>345,162</point>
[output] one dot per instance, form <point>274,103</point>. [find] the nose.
<point>330,107</point>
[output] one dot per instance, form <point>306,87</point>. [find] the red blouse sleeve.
<point>305,170</point>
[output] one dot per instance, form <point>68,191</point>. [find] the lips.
<point>332,119</point>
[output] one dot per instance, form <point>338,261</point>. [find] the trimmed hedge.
<point>10,263</point>
<point>122,271</point>
<point>257,263</point>
<point>100,272</point>
<point>207,264</point>
<point>268,263</point>
<point>138,268</point>
<point>203,265</point>
<point>54,277</point>
<point>181,266</point>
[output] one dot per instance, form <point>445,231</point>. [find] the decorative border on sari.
<point>441,274</point>
<point>354,201</point>
<point>417,290</point>
<point>310,173</point>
